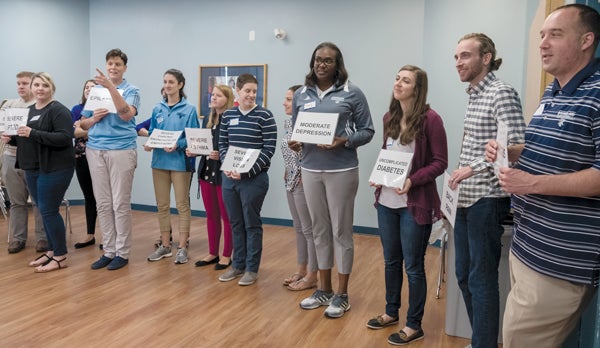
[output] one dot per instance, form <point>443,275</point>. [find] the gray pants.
<point>330,199</point>
<point>305,243</point>
<point>16,186</point>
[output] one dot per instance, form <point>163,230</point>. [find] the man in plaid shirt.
<point>482,205</point>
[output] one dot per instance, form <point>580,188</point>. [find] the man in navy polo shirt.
<point>555,255</point>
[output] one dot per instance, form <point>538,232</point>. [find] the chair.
<point>68,226</point>
<point>3,201</point>
<point>2,196</point>
<point>443,241</point>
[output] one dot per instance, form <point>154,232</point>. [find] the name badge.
<point>234,122</point>
<point>540,110</point>
<point>310,105</point>
<point>35,118</point>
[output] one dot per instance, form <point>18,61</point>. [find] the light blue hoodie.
<point>178,117</point>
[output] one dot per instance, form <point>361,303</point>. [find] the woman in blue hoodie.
<point>170,165</point>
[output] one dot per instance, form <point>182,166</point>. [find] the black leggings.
<point>85,182</point>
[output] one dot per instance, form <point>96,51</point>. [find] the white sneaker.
<point>160,252</point>
<point>181,257</point>
<point>317,299</point>
<point>339,305</point>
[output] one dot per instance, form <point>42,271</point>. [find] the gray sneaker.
<point>339,305</point>
<point>160,252</point>
<point>317,299</point>
<point>231,274</point>
<point>249,278</point>
<point>181,257</point>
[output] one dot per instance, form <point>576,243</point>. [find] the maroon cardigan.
<point>429,161</point>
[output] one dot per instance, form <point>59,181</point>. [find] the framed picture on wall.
<point>211,75</point>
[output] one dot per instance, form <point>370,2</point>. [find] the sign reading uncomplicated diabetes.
<point>239,159</point>
<point>13,119</point>
<point>391,168</point>
<point>315,127</point>
<point>199,140</point>
<point>160,138</point>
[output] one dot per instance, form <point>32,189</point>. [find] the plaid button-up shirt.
<point>490,101</point>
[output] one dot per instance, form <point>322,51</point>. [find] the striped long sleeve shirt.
<point>255,130</point>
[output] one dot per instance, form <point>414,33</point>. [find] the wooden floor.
<point>161,304</point>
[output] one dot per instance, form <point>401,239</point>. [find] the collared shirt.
<point>560,236</point>
<point>490,101</point>
<point>112,132</point>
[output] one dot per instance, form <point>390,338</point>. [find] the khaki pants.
<point>163,179</point>
<point>541,311</point>
<point>112,180</point>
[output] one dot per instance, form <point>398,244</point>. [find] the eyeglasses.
<point>326,61</point>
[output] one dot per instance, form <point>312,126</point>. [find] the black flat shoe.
<point>201,263</point>
<point>84,244</point>
<point>220,266</point>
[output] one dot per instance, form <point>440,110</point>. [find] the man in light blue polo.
<point>112,157</point>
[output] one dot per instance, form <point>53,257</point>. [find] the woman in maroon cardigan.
<point>405,214</point>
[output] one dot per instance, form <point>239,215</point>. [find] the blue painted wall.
<point>69,39</point>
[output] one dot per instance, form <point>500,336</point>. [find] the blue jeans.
<point>243,201</point>
<point>403,240</point>
<point>47,192</point>
<point>477,241</point>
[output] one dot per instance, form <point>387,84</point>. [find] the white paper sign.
<point>100,98</point>
<point>315,127</point>
<point>239,159</point>
<point>391,168</point>
<point>2,120</point>
<point>449,200</point>
<point>14,118</point>
<point>199,140</point>
<point>502,150</point>
<point>161,138</point>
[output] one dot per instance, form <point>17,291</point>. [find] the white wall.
<point>376,38</point>
<point>45,35</point>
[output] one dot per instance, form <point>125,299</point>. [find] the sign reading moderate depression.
<point>315,127</point>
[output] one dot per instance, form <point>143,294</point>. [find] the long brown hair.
<point>412,118</point>
<point>83,98</point>
<point>213,117</point>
